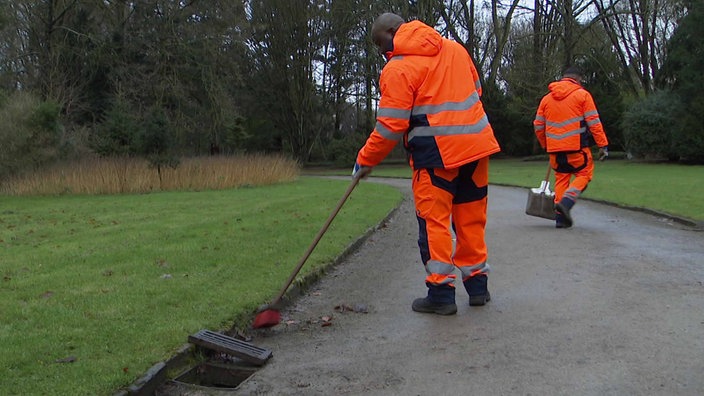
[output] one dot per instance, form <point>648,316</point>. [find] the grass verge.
<point>95,290</point>
<point>670,188</point>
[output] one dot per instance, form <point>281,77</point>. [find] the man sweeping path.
<point>430,100</point>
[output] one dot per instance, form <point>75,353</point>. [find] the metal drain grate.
<point>232,346</point>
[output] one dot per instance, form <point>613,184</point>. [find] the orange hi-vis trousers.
<point>454,198</point>
<point>566,165</point>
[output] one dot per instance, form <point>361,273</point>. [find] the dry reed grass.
<point>131,175</point>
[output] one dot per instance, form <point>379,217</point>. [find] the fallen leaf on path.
<point>240,335</point>
<point>327,321</point>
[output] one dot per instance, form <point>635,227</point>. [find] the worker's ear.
<point>387,42</point>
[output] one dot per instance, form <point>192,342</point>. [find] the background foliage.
<point>164,79</point>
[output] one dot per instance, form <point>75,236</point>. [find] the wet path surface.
<point>612,306</point>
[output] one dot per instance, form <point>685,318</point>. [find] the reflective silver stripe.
<point>386,133</point>
<point>447,106</point>
<point>449,129</point>
<point>563,123</point>
<point>591,113</point>
<point>574,192</point>
<point>538,128</point>
<point>394,113</point>
<point>567,134</point>
<point>594,122</point>
<point>438,267</point>
<point>478,85</point>
<point>540,118</point>
<point>483,268</point>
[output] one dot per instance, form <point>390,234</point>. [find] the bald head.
<point>574,73</point>
<point>384,28</point>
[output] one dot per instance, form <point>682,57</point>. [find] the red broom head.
<point>268,318</point>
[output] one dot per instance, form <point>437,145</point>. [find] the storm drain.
<point>231,346</point>
<point>215,375</point>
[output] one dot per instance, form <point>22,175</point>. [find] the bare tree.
<point>285,41</point>
<point>639,30</point>
<point>485,37</point>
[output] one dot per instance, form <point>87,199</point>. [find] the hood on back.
<point>563,88</point>
<point>416,38</point>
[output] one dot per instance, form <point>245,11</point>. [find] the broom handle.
<point>547,177</point>
<point>312,246</point>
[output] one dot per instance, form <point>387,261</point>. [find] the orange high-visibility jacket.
<point>565,118</point>
<point>429,99</point>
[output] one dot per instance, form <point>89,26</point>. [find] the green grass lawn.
<point>96,289</point>
<point>669,188</point>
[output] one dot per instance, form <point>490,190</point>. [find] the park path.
<point>612,306</point>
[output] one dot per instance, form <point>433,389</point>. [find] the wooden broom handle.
<point>547,177</point>
<point>320,234</point>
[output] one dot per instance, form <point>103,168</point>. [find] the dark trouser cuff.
<point>441,294</point>
<point>476,285</point>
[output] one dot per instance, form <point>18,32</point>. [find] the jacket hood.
<point>563,88</point>
<point>416,38</point>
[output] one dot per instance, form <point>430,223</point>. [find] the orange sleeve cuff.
<point>375,150</point>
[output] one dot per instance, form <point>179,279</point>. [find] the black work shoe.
<point>478,301</point>
<point>565,212</point>
<point>426,306</point>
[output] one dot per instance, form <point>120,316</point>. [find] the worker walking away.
<point>430,100</point>
<point>565,121</point>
